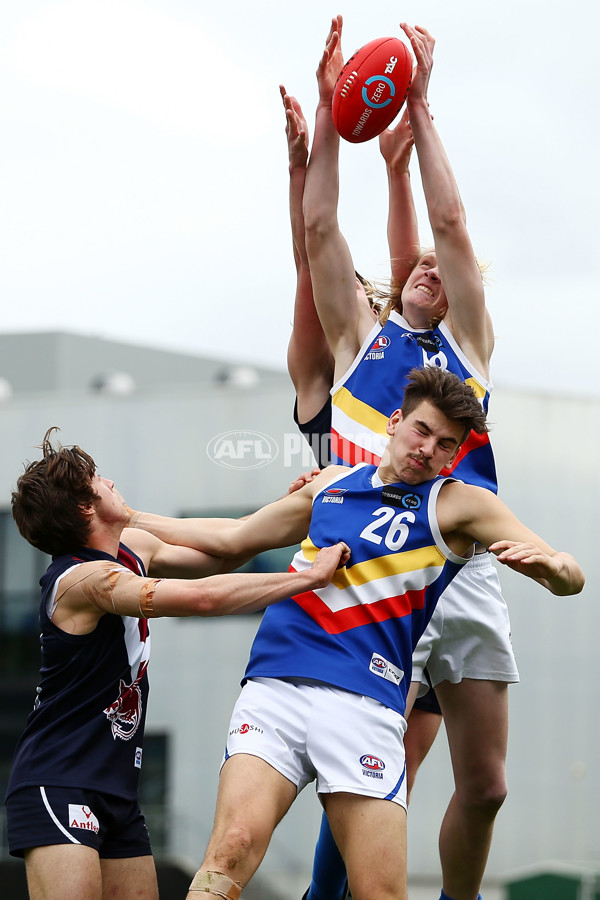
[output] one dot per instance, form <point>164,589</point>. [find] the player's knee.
<point>233,847</point>
<point>484,796</point>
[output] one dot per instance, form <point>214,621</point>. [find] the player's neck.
<point>106,540</point>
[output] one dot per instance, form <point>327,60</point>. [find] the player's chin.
<point>415,477</point>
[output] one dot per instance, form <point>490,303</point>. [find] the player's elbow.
<point>207,600</point>
<point>570,581</point>
<point>447,220</point>
<point>319,224</point>
<point>576,584</point>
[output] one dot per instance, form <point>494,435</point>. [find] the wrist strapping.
<point>216,883</point>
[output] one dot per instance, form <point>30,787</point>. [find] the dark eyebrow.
<point>425,427</point>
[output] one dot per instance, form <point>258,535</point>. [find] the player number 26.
<point>395,527</point>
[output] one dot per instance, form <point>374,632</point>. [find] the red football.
<point>371,89</point>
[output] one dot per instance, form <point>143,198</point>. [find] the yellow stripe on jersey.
<point>368,417</point>
<point>360,412</point>
<point>479,390</point>
<point>382,566</point>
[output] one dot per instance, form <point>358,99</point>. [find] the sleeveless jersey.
<point>359,632</point>
<point>373,387</point>
<point>87,725</point>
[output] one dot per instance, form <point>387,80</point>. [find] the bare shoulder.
<point>458,503</point>
<point>141,542</point>
<point>329,474</point>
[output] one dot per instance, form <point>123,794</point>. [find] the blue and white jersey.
<point>373,387</point>
<point>87,725</point>
<point>359,632</point>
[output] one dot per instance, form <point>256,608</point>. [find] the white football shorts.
<point>468,635</point>
<point>311,731</point>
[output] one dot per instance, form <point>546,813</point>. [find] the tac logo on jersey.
<point>334,495</point>
<point>429,342</point>
<point>83,817</point>
<point>372,766</point>
<point>395,496</point>
<point>378,347</point>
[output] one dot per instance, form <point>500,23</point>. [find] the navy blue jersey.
<point>87,725</point>
<point>317,432</point>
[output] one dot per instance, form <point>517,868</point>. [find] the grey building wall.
<point>154,441</point>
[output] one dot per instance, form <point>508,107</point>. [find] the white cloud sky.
<point>132,57</point>
<point>144,171</point>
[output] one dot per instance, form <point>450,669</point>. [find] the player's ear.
<point>393,421</point>
<point>454,455</point>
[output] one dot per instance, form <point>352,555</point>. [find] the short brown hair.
<point>444,390</point>
<point>53,497</point>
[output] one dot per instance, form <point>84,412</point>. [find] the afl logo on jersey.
<point>378,665</point>
<point>378,347</point>
<point>372,763</point>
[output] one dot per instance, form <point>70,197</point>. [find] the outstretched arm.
<point>467,315</point>
<point>345,320</point>
<point>557,571</point>
<point>172,560</point>
<point>403,231</point>
<point>310,361</point>
<point>245,592</point>
<point>94,589</point>
<point>469,514</point>
<point>279,524</point>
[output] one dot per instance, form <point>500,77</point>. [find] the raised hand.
<point>422,44</point>
<point>331,62</point>
<point>396,144</point>
<point>296,130</point>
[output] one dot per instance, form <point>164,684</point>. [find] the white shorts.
<point>309,731</point>
<point>468,635</point>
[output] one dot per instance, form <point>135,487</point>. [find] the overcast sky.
<point>144,169</point>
